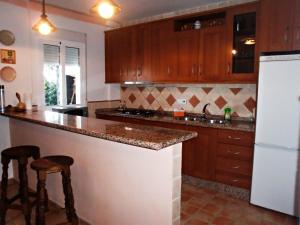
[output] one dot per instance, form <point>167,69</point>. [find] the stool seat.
<point>52,164</point>
<point>21,152</point>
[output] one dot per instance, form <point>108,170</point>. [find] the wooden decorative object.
<point>8,74</point>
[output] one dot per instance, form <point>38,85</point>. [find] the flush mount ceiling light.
<point>44,26</point>
<point>106,8</point>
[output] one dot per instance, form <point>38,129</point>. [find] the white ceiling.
<point>135,9</point>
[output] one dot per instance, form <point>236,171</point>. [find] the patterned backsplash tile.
<point>240,97</point>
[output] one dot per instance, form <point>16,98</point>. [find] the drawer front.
<point>233,179</point>
<point>234,166</point>
<point>236,138</point>
<point>235,152</point>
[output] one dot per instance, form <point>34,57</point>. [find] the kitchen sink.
<point>216,121</point>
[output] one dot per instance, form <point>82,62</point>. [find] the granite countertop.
<point>149,137</point>
<point>238,125</point>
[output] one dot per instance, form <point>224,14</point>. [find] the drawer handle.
<point>236,167</point>
<point>232,152</point>
<point>235,180</point>
<point>234,138</point>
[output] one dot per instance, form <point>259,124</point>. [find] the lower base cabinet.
<point>224,156</point>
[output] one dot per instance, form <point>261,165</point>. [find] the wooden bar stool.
<point>21,154</point>
<point>48,165</point>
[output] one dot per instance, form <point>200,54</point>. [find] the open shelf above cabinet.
<point>200,22</point>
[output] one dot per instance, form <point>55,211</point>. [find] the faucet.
<point>203,115</point>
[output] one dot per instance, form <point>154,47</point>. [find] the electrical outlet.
<point>181,101</point>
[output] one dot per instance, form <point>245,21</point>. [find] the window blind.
<point>51,54</point>
<point>72,56</point>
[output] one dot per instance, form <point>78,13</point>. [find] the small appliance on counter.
<point>276,178</point>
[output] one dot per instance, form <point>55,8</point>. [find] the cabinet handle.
<point>235,180</point>
<point>168,70</point>
<point>232,152</point>
<point>235,167</point>
<point>200,70</point>
<point>193,69</point>
<point>139,72</point>
<point>233,138</point>
<point>298,36</point>
<point>286,37</point>
<point>228,68</point>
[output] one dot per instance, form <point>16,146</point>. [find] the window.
<point>64,73</point>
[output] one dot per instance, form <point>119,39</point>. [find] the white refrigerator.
<point>276,167</point>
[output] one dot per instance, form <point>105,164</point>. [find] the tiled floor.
<point>199,207</point>
<point>206,207</point>
<point>55,216</point>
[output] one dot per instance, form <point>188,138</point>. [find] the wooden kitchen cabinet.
<point>188,54</point>
<point>280,25</point>
<point>241,56</point>
<point>296,31</point>
<point>212,65</point>
<point>164,52</point>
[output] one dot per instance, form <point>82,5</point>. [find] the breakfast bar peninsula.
<point>123,173</point>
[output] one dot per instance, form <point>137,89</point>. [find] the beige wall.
<point>113,183</point>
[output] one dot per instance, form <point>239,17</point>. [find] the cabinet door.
<point>212,55</point>
<point>188,50</point>
<point>141,50</point>
<point>199,155</point>
<point>296,31</point>
<point>276,30</point>
<point>163,52</point>
<point>113,67</point>
<point>241,48</point>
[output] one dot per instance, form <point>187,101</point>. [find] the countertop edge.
<point>133,142</point>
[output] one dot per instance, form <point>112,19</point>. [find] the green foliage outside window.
<point>50,93</point>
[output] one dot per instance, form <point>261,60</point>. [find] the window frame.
<point>83,74</point>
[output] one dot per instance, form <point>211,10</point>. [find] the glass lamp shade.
<point>106,9</point>
<point>44,26</point>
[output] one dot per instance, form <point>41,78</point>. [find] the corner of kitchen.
<point>126,112</point>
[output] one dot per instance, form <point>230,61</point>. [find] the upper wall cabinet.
<point>213,47</point>
<point>242,49</point>
<point>280,25</point>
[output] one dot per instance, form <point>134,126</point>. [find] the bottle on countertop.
<point>227,113</point>
<point>2,98</point>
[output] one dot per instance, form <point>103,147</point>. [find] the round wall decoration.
<point>7,37</point>
<point>8,74</point>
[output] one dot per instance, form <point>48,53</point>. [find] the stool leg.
<point>24,189</point>
<point>41,197</point>
<point>3,202</point>
<point>69,198</point>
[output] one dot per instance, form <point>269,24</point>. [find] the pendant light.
<point>106,8</point>
<point>44,26</point>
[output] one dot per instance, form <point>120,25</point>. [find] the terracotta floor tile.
<point>222,221</point>
<point>189,209</point>
<point>196,222</point>
<point>290,221</point>
<point>277,218</point>
<point>212,208</point>
<point>204,216</point>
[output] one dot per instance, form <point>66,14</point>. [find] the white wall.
<point>19,20</point>
<point>5,141</point>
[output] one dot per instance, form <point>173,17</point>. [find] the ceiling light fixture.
<point>44,26</point>
<point>106,8</point>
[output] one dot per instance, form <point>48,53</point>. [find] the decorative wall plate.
<point>7,37</point>
<point>8,74</point>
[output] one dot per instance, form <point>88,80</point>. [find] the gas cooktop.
<point>137,112</point>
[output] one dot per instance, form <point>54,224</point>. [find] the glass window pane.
<point>72,72</point>
<point>51,72</point>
